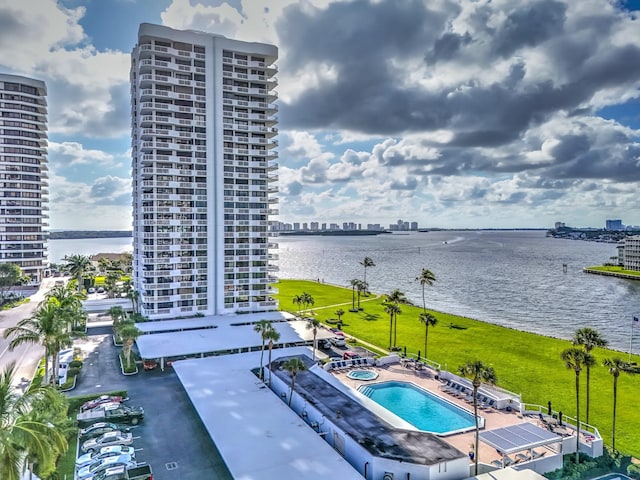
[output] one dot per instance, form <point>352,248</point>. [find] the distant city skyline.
<point>466,114</point>
<point>312,225</point>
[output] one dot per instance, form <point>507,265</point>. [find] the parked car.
<point>90,470</point>
<point>338,341</point>
<point>107,439</point>
<point>114,413</point>
<point>91,290</point>
<point>337,331</point>
<point>100,290</point>
<point>348,355</point>
<point>100,428</point>
<point>139,472</point>
<point>101,400</point>
<point>107,406</point>
<point>325,344</point>
<point>104,452</point>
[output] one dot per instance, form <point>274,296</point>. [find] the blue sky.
<point>452,113</point>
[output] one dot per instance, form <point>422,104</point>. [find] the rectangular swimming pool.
<point>420,408</point>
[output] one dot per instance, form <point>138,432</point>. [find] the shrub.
<point>633,470</point>
<point>76,364</point>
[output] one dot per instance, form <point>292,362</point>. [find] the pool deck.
<point>425,378</point>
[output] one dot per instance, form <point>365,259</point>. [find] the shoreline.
<point>626,276</point>
<point>486,322</point>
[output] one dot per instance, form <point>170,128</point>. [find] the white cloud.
<point>73,153</point>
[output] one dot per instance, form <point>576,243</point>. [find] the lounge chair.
<point>521,457</point>
<point>508,460</point>
<point>490,404</point>
<point>497,463</point>
<point>537,454</point>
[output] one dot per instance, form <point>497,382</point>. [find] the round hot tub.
<point>362,375</point>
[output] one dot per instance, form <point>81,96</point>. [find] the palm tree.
<point>133,295</point>
<point>588,338</point>
<point>128,332</point>
<point>78,265</point>
<point>262,327</point>
<point>70,301</point>
<point>118,315</point>
<point>617,366</point>
<point>297,300</point>
<point>429,321</point>
<point>354,283</point>
<point>426,279</point>
<point>313,324</point>
<point>392,310</point>
<point>45,327</point>
<point>576,359</point>
<point>338,313</point>
<point>361,287</point>
<point>396,297</point>
<point>294,366</point>
<point>307,300</point>
<point>30,426</point>
<point>272,336</point>
<point>367,262</point>
<point>478,373</point>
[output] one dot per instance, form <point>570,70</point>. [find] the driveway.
<point>172,438</point>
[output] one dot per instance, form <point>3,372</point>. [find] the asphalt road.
<point>171,438</point>
<point>26,356</point>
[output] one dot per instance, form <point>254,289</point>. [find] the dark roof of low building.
<point>365,427</point>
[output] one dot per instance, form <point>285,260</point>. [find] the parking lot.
<point>171,438</point>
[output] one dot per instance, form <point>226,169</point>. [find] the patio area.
<point>494,419</point>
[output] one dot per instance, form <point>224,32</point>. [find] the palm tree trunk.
<point>269,368</point>
<point>293,384</point>
<point>390,330</point>
<point>615,401</point>
<point>353,297</point>
<point>477,438</point>
<point>46,368</point>
<point>426,336</point>
<point>261,360</point>
<point>424,301</point>
<point>577,418</point>
<point>587,399</point>
<point>315,343</point>
<point>395,330</point>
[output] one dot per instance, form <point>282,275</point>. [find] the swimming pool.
<point>362,375</point>
<point>420,408</point>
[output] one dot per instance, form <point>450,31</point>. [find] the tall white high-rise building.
<point>23,174</point>
<point>204,166</point>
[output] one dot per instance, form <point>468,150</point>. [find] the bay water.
<point>510,278</point>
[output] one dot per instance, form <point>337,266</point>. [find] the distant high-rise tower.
<point>614,225</point>
<point>23,174</point>
<point>204,162</point>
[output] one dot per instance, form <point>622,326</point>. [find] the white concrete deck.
<point>210,321</point>
<point>223,336</point>
<point>257,434</point>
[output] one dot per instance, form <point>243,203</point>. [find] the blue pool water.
<point>362,375</point>
<point>420,408</point>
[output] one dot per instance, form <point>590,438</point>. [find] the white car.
<point>89,471</point>
<point>104,452</point>
<point>106,440</point>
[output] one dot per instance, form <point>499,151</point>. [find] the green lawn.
<point>614,269</point>
<point>524,363</point>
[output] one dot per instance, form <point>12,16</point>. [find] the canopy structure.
<point>516,438</point>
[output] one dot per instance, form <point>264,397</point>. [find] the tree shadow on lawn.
<point>369,317</point>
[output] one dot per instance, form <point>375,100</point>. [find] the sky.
<point>454,114</point>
